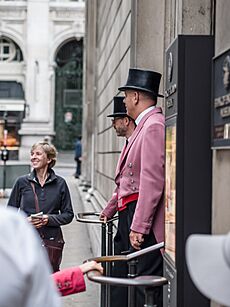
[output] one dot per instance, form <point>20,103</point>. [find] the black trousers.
<point>150,264</point>
<point>78,167</point>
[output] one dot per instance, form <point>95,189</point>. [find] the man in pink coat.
<point>140,181</point>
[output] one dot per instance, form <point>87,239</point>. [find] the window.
<point>9,51</point>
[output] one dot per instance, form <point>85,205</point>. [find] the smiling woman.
<point>44,192</point>
<point>43,157</point>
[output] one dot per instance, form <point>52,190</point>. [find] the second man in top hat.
<point>122,123</point>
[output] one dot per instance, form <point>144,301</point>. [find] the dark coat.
<point>78,149</point>
<point>54,200</point>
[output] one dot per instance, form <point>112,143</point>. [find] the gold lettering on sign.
<point>170,103</point>
<point>227,131</point>
<point>225,112</point>
<point>219,132</point>
<point>222,101</point>
<point>170,90</point>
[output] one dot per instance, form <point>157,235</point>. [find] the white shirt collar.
<point>142,114</point>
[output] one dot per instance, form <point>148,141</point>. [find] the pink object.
<point>69,281</point>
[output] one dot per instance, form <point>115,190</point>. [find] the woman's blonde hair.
<point>50,151</point>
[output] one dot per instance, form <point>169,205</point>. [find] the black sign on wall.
<point>221,101</point>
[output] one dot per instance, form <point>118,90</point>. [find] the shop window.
<point>11,90</point>
<point>12,126</point>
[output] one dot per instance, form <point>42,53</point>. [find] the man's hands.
<point>90,266</point>
<point>136,239</point>
<point>103,217</point>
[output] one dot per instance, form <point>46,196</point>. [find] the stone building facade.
<point>33,32</point>
<point>136,33</point>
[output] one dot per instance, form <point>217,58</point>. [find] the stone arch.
<point>62,39</point>
<point>15,38</point>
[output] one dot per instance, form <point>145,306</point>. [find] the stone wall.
<point>136,34</point>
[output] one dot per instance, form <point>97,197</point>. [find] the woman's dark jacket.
<point>53,198</point>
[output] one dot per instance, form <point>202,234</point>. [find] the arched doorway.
<point>68,94</point>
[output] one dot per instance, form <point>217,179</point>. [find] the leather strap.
<point>35,198</point>
<point>37,207</point>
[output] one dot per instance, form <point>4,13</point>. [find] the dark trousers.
<point>150,264</point>
<point>78,167</point>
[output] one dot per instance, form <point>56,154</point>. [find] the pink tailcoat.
<point>141,169</point>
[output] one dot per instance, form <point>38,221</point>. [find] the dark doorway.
<point>68,94</point>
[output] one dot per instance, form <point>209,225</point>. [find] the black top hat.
<point>143,80</point>
<point>119,109</point>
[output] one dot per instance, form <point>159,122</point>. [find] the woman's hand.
<point>38,222</point>
<point>45,219</point>
<point>90,266</point>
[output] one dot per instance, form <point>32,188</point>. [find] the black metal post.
<point>103,253</point>
<point>109,245</point>
<point>4,152</point>
<point>149,297</point>
<point>132,272</point>
<point>82,217</point>
<point>103,239</point>
<point>4,178</point>
<point>109,253</point>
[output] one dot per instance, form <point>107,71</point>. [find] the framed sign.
<point>221,101</point>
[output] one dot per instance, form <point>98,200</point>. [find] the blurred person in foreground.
<point>25,269</point>
<point>208,261</point>
<point>45,199</point>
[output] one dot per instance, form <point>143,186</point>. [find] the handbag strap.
<point>35,197</point>
<point>37,207</point>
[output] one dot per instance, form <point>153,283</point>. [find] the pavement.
<point>78,245</point>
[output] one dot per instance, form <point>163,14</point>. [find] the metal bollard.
<point>131,259</point>
<point>149,298</point>
<point>132,273</point>
<point>149,282</point>
<point>109,253</point>
<point>106,249</point>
